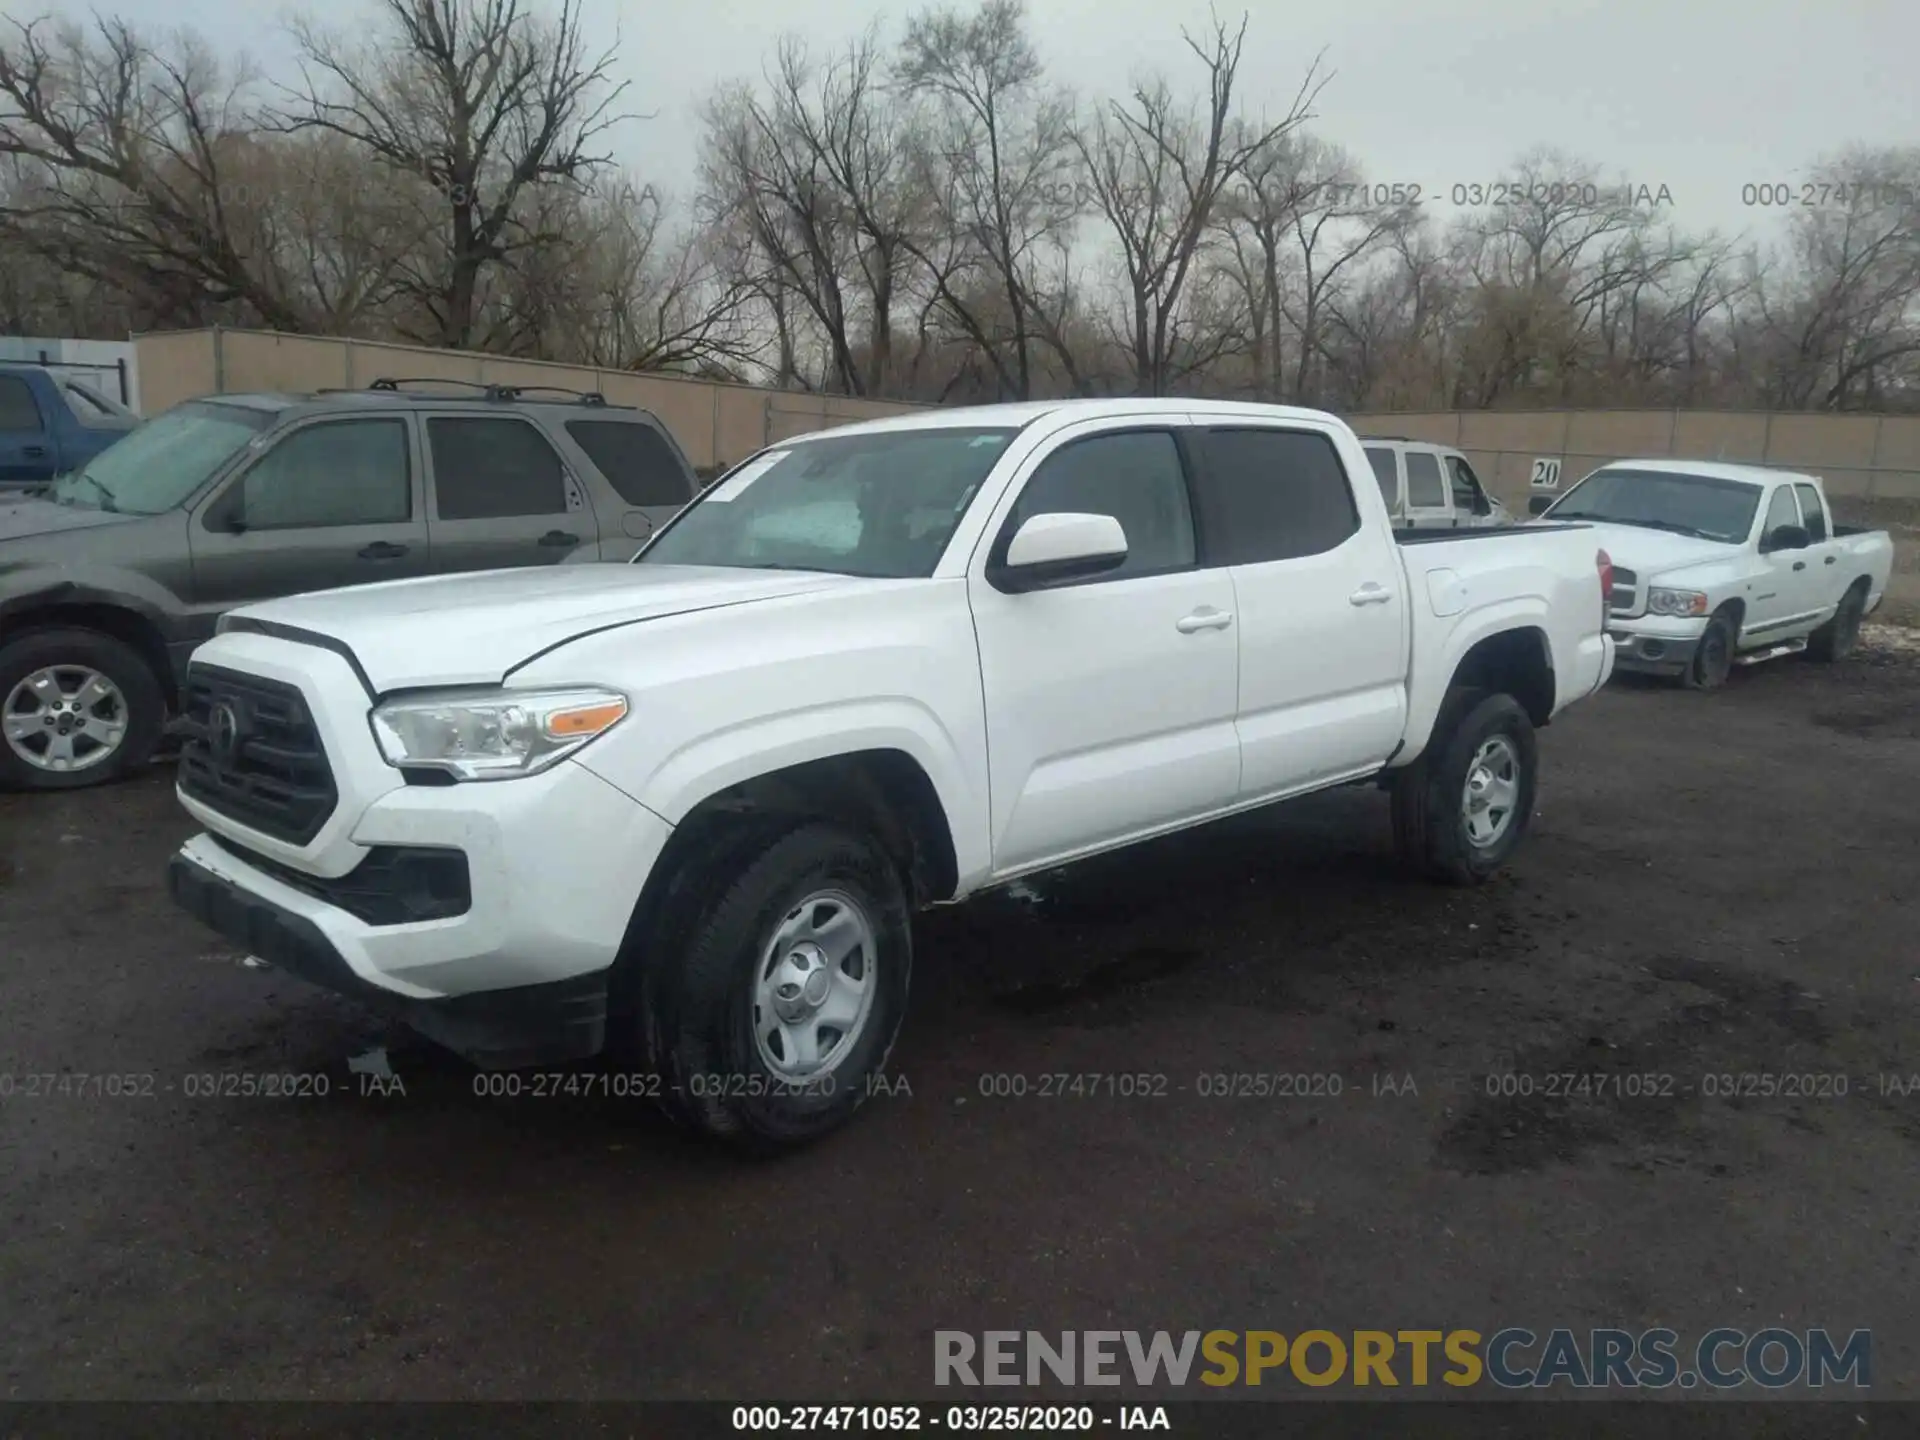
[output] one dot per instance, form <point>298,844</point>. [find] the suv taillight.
<point>1603,562</point>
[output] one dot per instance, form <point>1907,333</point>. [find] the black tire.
<point>1835,639</point>
<point>698,1008</point>
<point>146,706</point>
<point>1430,823</point>
<point>1713,657</point>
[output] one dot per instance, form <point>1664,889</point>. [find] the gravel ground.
<point>1716,885</point>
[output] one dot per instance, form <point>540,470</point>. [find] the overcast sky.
<point>1701,96</point>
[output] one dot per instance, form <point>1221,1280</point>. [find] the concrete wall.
<point>1871,464</point>
<point>715,423</point>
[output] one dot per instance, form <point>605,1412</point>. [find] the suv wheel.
<point>77,708</point>
<point>787,991</point>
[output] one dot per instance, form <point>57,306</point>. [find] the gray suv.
<point>111,575</point>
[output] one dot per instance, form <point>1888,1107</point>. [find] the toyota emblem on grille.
<point>223,731</point>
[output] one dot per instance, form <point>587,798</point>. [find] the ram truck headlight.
<point>493,734</point>
<point>1675,602</point>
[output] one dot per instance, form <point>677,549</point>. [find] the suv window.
<point>1273,495</point>
<point>1385,473</point>
<point>1425,489</point>
<point>490,467</point>
<point>1137,478</point>
<point>1780,511</point>
<point>340,472</point>
<point>1814,515</point>
<point>636,460</point>
<point>18,410</point>
<point>1466,487</point>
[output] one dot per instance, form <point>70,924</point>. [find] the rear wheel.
<point>1835,639</point>
<point>77,708</point>
<point>1462,809</point>
<point>786,992</point>
<point>1712,657</point>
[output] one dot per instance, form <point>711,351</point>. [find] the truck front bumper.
<point>519,976</point>
<point>1655,644</point>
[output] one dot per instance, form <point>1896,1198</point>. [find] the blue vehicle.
<point>51,424</point>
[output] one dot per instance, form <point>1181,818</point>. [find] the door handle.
<point>1830,559</point>
<point>382,550</point>
<point>1799,564</point>
<point>1370,594</point>
<point>559,537</point>
<point>1203,620</point>
<point>35,452</point>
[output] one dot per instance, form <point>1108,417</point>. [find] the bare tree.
<point>478,99</point>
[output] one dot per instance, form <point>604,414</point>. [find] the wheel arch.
<point>76,610</point>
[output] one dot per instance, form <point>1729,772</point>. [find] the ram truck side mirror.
<point>1785,537</point>
<point>1538,504</point>
<point>1054,549</point>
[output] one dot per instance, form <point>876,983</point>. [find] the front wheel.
<point>1462,809</point>
<point>776,1019</point>
<point>77,708</point>
<point>1712,657</point>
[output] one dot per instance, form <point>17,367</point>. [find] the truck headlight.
<point>1675,602</point>
<point>493,734</point>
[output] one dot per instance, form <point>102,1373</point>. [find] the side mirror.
<point>1539,504</point>
<point>1054,549</point>
<point>1785,537</point>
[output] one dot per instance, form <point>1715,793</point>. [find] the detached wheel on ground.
<point>1462,808</point>
<point>1835,639</point>
<point>1713,657</point>
<point>782,997</point>
<point>77,708</point>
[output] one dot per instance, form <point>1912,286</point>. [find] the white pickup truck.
<point>1718,564</point>
<point>681,810</point>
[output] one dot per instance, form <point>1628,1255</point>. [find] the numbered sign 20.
<point>1546,474</point>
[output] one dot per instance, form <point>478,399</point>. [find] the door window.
<point>342,472</point>
<point>1425,489</point>
<point>1273,495</point>
<point>636,460</point>
<point>1468,493</point>
<point>18,411</point>
<point>1137,478</point>
<point>1813,514</point>
<point>1780,511</point>
<point>491,467</point>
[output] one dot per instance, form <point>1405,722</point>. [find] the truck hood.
<point>1650,553</point>
<point>473,629</point>
<point>28,516</point>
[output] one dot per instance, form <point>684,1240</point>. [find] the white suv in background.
<point>1430,487</point>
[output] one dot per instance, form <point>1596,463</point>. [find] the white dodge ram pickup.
<point>680,810</point>
<point>1718,564</point>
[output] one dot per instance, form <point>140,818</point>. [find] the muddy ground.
<point>1716,885</point>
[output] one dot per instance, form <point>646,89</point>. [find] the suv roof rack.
<point>504,394</point>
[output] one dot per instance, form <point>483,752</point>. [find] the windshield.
<point>881,505</point>
<point>1710,508</point>
<point>161,463</point>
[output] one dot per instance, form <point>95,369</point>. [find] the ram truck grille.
<point>253,753</point>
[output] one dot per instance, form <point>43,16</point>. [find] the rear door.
<point>501,495</point>
<point>1824,582</point>
<point>329,502</point>
<point>647,479</point>
<point>1429,497</point>
<point>1320,607</point>
<point>1782,596</point>
<point>26,447</point>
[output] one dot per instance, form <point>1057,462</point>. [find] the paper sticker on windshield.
<point>735,484</point>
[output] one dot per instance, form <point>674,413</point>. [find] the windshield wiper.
<point>810,569</point>
<point>107,502</point>
<point>1672,525</point>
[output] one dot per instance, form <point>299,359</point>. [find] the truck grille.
<point>1624,581</point>
<point>254,753</point>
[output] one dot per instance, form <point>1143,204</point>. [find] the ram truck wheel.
<point>1462,809</point>
<point>779,1006</point>
<point>77,708</point>
<point>1835,639</point>
<point>1712,657</point>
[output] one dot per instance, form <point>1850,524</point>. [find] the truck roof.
<point>1017,413</point>
<point>1713,470</point>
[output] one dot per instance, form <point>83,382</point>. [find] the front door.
<point>1109,701</point>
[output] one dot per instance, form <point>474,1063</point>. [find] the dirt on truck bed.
<point>1349,1118</point>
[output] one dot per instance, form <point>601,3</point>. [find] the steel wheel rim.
<point>813,987</point>
<point>63,718</point>
<point>1492,793</point>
